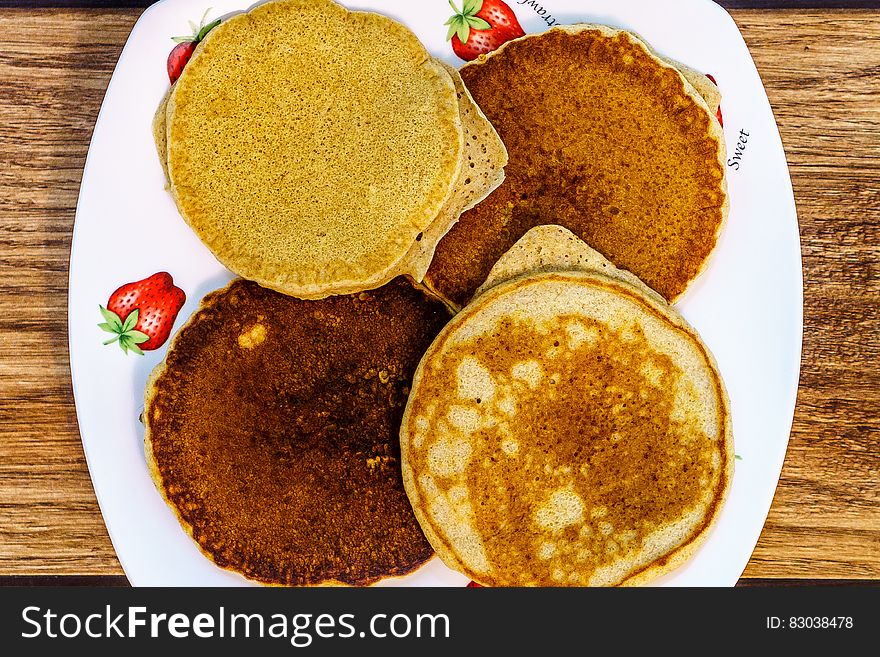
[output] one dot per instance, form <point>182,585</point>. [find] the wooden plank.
<point>69,580</point>
<point>121,580</point>
<point>54,68</point>
<point>821,72</point>
<point>727,4</point>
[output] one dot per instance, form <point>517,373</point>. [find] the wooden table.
<point>822,73</point>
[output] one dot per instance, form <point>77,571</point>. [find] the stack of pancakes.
<point>319,151</point>
<point>322,421</point>
<point>567,427</point>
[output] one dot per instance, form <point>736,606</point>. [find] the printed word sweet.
<point>735,161</point>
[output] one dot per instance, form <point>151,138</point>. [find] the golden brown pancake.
<point>605,139</point>
<point>272,431</point>
<point>566,428</point>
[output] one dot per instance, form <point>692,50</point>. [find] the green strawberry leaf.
<point>456,23</point>
<point>137,337</point>
<point>112,318</point>
<point>478,23</point>
<point>124,332</point>
<point>207,28</point>
<point>462,22</point>
<point>472,7</point>
<point>130,344</point>
<point>130,321</point>
<point>198,32</point>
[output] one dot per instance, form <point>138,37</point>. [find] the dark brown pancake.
<point>273,431</point>
<point>604,139</point>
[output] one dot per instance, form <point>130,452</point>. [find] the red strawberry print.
<point>185,47</point>
<point>481,27</point>
<point>178,58</point>
<point>718,114</point>
<point>141,314</point>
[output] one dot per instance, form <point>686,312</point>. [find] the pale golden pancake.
<point>272,431</point>
<point>554,248</point>
<point>309,146</point>
<point>566,428</point>
<point>482,170</point>
<point>483,160</point>
<point>160,132</point>
<point>606,139</point>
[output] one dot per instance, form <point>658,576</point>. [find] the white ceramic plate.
<point>747,307</point>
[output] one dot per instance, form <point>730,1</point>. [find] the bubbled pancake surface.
<point>272,431</point>
<point>566,429</point>
<point>308,145</point>
<point>482,170</point>
<point>605,139</point>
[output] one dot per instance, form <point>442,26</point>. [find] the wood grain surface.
<point>822,73</point>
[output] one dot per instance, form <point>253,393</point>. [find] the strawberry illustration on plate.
<point>718,114</point>
<point>186,45</point>
<point>141,314</point>
<point>481,27</point>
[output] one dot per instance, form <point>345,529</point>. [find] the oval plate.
<point>747,306</point>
